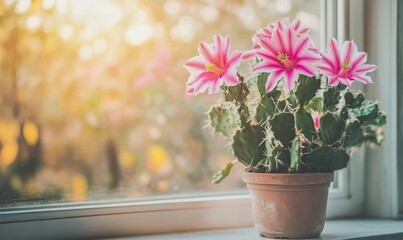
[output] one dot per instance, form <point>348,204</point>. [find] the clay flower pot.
<point>289,205</point>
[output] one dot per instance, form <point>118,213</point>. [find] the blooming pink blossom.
<point>267,32</point>
<point>285,55</point>
<point>214,67</point>
<point>316,119</point>
<point>345,65</point>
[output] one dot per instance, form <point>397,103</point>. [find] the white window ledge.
<point>334,229</point>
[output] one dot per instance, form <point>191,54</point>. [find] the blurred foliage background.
<point>92,102</point>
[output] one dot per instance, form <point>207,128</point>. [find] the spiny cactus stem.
<point>278,109</point>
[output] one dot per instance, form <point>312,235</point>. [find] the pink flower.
<point>214,67</point>
<point>267,32</point>
<point>285,55</point>
<point>316,119</point>
<point>345,65</point>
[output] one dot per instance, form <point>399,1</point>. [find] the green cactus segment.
<point>292,101</point>
<point>304,123</point>
<point>380,120</point>
<point>261,83</point>
<point>220,175</point>
<point>279,160</point>
<point>342,113</point>
<point>272,152</point>
<point>282,126</point>
<point>315,104</point>
<point>306,89</point>
<point>295,156</point>
<point>270,143</point>
<point>367,112</point>
<point>373,135</point>
<point>237,93</point>
<point>265,109</point>
<point>358,100</point>
<point>348,98</point>
<point>331,97</point>
<point>248,145</point>
<point>225,119</point>
<point>328,158</point>
<point>331,128</point>
<point>354,136</point>
<point>267,106</point>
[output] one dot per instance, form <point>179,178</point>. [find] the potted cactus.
<point>292,121</point>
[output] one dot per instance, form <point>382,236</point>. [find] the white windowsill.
<point>334,229</point>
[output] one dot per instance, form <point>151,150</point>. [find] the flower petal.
<point>249,54</point>
<point>279,42</point>
<point>365,68</point>
<point>266,66</point>
<point>345,81</point>
<point>325,69</point>
<point>316,119</point>
<point>349,50</point>
<point>273,79</point>
<point>195,65</point>
<point>302,45</point>
<point>291,37</point>
<point>362,78</point>
<point>207,52</point>
<point>333,80</point>
<point>296,24</point>
<point>327,61</point>
<point>359,59</point>
<point>271,49</point>
<point>290,77</point>
<point>333,52</point>
<point>267,56</point>
<point>215,86</point>
<point>218,50</point>
<point>234,60</point>
<point>309,57</point>
<point>305,70</point>
<point>230,77</point>
<point>190,91</point>
<point>199,77</point>
<point>201,86</point>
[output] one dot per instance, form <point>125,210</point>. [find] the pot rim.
<point>288,178</point>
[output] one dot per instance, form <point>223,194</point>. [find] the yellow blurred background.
<point>92,102</point>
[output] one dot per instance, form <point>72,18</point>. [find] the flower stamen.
<point>282,57</point>
<point>346,64</point>
<point>211,67</point>
<point>285,59</point>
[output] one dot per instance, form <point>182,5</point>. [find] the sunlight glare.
<point>172,7</point>
<point>85,53</point>
<point>138,34</point>
<point>209,14</point>
<point>34,22</point>
<point>100,46</point>
<point>283,6</point>
<point>66,32</point>
<point>22,6</point>
<point>184,30</point>
<point>48,4</point>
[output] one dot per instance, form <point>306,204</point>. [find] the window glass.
<point>92,96</point>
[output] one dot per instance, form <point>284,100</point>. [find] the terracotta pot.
<point>289,205</point>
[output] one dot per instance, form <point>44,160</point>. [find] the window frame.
<point>383,183</point>
<point>128,217</point>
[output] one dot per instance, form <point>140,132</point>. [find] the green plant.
<point>281,136</point>
<point>309,122</point>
